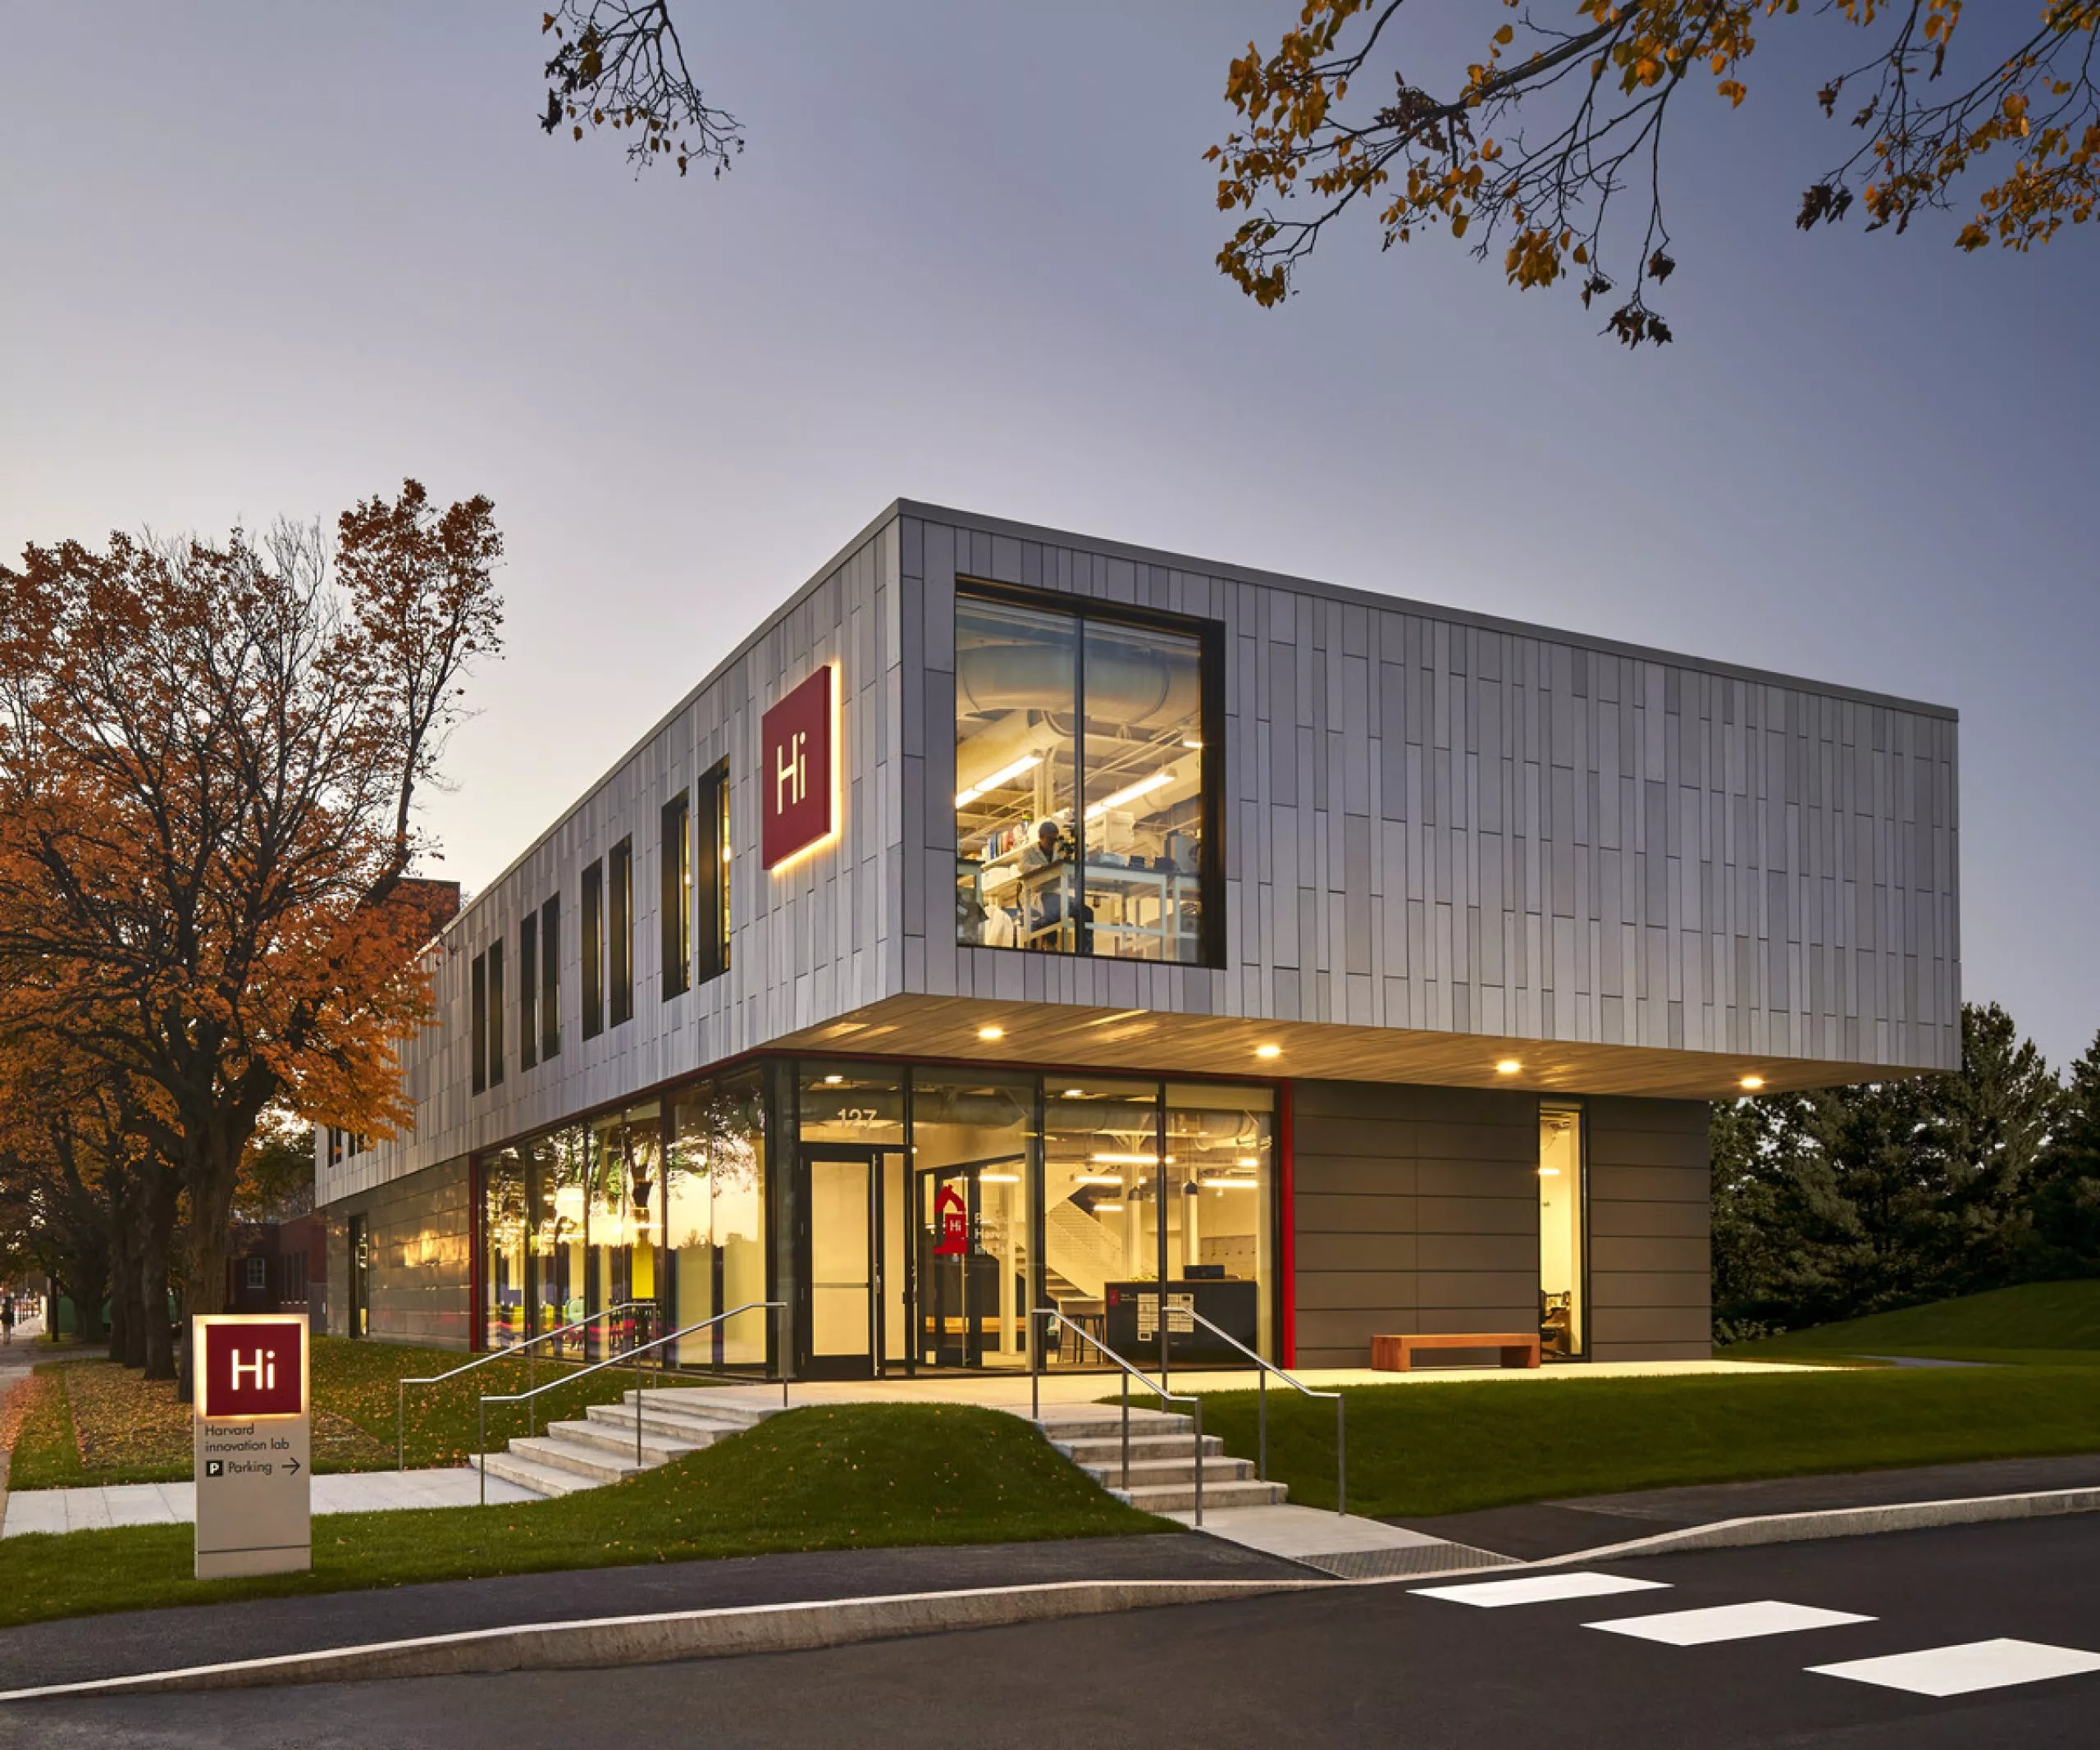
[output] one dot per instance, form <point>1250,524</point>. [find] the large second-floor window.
<point>528,991</point>
<point>1086,780</point>
<point>550,977</point>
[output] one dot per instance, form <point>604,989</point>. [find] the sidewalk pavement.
<point>118,1645</point>
<point>1540,1530</point>
<point>175,1503</point>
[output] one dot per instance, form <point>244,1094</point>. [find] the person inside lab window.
<point>1049,907</point>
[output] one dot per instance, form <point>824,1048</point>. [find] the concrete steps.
<point>599,1448</point>
<point>1162,1460</point>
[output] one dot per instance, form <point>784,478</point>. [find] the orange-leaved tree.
<point>210,759</point>
<point>1542,143</point>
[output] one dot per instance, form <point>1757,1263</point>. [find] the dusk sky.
<point>265,259</point>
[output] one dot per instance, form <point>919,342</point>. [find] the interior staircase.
<point>675,1420</point>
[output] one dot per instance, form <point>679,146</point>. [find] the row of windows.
<point>694,904</point>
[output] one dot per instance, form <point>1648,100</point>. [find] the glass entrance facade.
<point>910,1219</point>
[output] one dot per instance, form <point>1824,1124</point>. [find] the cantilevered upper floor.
<point>979,789</point>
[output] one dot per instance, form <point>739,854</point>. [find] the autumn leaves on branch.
<point>210,759</point>
<point>1543,140</point>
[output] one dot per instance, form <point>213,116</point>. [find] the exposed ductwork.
<point>1135,684</point>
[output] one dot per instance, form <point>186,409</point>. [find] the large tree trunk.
<point>211,1186</point>
<point>123,1266</point>
<point>156,1233</point>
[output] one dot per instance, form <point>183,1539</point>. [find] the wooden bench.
<point>1396,1354</point>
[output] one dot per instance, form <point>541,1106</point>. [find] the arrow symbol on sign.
<point>292,1466</point>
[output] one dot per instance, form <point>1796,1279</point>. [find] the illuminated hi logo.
<point>798,743</point>
<point>791,773</point>
<point>262,1372</point>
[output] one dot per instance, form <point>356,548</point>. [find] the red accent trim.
<point>1287,1227</point>
<point>478,1222</point>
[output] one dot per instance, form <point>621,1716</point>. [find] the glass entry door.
<point>845,1269</point>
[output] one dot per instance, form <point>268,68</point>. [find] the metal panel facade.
<point>1434,821</point>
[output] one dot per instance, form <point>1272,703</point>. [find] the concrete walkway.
<point>175,1503</point>
<point>1342,1544</point>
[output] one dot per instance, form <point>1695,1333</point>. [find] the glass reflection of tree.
<point>718,1138</point>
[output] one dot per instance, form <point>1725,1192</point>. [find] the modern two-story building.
<point>1021,919</point>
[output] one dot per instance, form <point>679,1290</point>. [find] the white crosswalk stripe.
<point>1727,1622</point>
<point>1539,1588</point>
<point>1962,1670</point>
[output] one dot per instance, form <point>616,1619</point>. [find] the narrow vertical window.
<point>710,886</point>
<point>495,999</point>
<point>1564,1312</point>
<point>594,950</point>
<point>550,978</point>
<point>480,1004</point>
<point>620,925</point>
<point>528,991</point>
<point>675,900</point>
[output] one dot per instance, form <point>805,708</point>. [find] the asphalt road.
<point>1384,1665</point>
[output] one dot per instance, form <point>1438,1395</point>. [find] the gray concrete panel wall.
<point>1650,1268</point>
<point>1416,1209</point>
<point>807,944</point>
<point>1442,822</point>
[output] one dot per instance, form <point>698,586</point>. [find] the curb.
<point>681,1635</point>
<point>1842,1522</point>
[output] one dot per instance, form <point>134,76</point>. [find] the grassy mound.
<point>834,1477</point>
<point>2034,1316</point>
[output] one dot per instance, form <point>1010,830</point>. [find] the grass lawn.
<point>1426,1449</point>
<point>833,1476</point>
<point>89,1421</point>
<point>2062,1319</point>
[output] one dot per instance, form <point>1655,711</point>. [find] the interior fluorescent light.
<point>1005,775</point>
<point>998,1178</point>
<point>1111,1209</point>
<point>1131,1160</point>
<point>1131,793</point>
<point>1097,1178</point>
<point>1074,1094</point>
<point>1549,1173</point>
<point>833,1081</point>
<point>1230,1184</point>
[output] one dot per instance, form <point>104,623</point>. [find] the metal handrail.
<point>1129,1373</point>
<point>481,1403</point>
<point>1267,1368</point>
<point>510,1352</point>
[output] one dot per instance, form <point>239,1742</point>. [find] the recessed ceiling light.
<point>1507,1067</point>
<point>1753,1082</point>
<point>1268,1051</point>
<point>990,1033</point>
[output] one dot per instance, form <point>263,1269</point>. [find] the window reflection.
<point>715,1221</point>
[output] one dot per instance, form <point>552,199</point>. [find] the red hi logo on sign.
<point>251,1367</point>
<point>797,741</point>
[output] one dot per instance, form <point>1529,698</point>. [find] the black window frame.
<point>495,1001</point>
<point>594,948</point>
<point>550,979</point>
<point>675,894</point>
<point>477,1004</point>
<point>620,922</point>
<point>528,991</point>
<point>1209,635</point>
<point>711,872</point>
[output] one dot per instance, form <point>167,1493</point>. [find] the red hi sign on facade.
<point>254,1367</point>
<point>798,753</point>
